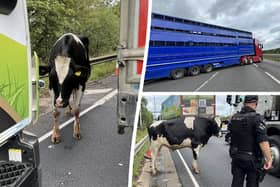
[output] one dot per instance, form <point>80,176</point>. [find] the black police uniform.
<point>247,131</point>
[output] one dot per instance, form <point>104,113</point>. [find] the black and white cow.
<point>192,132</point>
<point>68,69</point>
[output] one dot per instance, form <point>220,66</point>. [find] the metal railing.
<point>140,144</point>
<point>102,59</point>
<point>96,60</point>
<point>275,57</point>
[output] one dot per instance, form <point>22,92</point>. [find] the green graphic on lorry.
<point>14,75</point>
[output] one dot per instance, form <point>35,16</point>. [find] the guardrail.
<point>102,59</point>
<point>140,144</point>
<point>275,57</point>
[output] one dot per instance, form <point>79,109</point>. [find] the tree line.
<point>96,19</point>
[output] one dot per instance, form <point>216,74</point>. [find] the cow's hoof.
<point>196,171</point>
<point>55,139</point>
<point>77,136</point>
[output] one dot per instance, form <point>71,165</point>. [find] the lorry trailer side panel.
<point>180,43</point>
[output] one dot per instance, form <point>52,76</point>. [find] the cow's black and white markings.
<point>68,69</point>
<point>192,132</point>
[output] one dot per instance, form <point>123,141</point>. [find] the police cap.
<point>251,99</point>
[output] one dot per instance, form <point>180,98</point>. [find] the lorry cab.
<point>19,150</point>
<point>258,51</point>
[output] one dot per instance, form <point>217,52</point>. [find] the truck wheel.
<point>275,152</point>
<point>251,61</point>
<point>178,73</point>
<point>244,61</point>
<point>207,68</point>
<point>195,70</point>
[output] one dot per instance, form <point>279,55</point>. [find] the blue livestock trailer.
<point>179,47</point>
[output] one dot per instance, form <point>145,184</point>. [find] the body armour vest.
<point>243,128</point>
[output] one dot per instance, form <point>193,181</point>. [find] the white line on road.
<point>195,183</point>
<point>256,65</point>
<point>273,78</point>
<point>206,82</point>
<point>96,104</point>
<point>98,91</point>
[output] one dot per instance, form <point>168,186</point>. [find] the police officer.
<point>249,145</point>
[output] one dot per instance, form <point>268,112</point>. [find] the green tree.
<point>146,118</point>
<point>49,19</point>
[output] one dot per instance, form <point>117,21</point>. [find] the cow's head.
<point>64,77</point>
<point>214,127</point>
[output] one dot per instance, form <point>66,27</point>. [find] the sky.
<point>258,16</point>
<point>222,108</point>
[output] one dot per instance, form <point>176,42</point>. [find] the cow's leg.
<point>56,133</point>
<point>78,94</point>
<point>154,153</point>
<point>55,138</point>
<point>195,151</point>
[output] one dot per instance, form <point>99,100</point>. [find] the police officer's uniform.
<point>247,131</point>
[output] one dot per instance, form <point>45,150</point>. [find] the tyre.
<point>251,61</point>
<point>244,61</point>
<point>207,68</point>
<point>275,152</point>
<point>193,71</point>
<point>178,73</point>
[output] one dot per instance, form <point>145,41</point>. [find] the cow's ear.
<point>43,70</point>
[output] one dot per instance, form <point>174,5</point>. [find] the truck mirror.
<point>238,99</point>
<point>7,6</point>
<point>229,98</point>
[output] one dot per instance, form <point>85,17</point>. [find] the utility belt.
<point>244,155</point>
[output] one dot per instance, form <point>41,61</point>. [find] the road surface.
<point>263,76</point>
<point>214,164</point>
<point>100,158</point>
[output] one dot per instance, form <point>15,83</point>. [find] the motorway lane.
<point>100,158</point>
<point>215,166</point>
<point>236,78</point>
<point>271,67</point>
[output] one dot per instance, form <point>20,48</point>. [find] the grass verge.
<point>276,59</point>
<point>141,133</point>
<point>139,162</point>
<point>100,71</point>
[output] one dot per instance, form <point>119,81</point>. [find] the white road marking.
<point>98,91</point>
<point>273,78</point>
<point>195,183</point>
<point>96,104</point>
<point>206,82</point>
<point>256,65</point>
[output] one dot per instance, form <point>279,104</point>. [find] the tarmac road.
<point>215,166</point>
<point>263,76</point>
<point>100,158</point>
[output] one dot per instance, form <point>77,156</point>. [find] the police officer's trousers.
<point>241,169</point>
